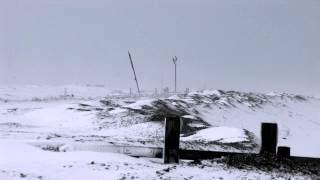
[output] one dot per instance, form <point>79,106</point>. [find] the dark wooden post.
<point>269,137</point>
<point>283,152</point>
<point>172,140</point>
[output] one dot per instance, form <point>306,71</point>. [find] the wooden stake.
<point>269,137</point>
<point>283,152</point>
<point>172,140</point>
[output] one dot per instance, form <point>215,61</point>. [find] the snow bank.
<point>220,134</point>
<point>139,104</point>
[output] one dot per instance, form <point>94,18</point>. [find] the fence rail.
<point>269,137</point>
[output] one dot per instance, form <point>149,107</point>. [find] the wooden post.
<point>187,91</point>
<point>172,140</point>
<point>283,152</point>
<point>134,73</point>
<point>65,94</point>
<point>269,137</point>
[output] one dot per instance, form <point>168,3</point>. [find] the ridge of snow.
<point>221,134</point>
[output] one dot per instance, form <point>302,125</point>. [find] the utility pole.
<point>134,72</point>
<point>175,60</point>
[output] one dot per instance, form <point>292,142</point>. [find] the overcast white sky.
<point>249,45</point>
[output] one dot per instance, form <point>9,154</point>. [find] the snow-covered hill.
<point>297,116</point>
<point>37,119</point>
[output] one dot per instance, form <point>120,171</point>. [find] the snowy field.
<point>75,132</point>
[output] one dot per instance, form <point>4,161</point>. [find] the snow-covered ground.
<point>70,132</point>
<point>21,161</point>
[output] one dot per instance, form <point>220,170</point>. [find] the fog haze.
<point>246,45</point>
